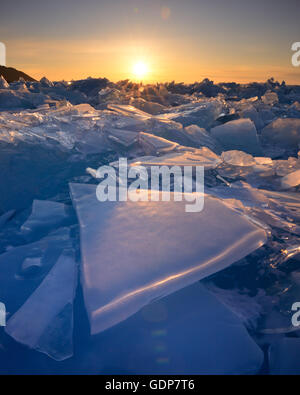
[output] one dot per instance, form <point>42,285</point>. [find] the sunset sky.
<point>182,40</point>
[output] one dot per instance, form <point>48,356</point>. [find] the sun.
<point>140,70</point>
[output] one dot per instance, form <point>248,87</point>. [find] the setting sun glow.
<point>140,70</point>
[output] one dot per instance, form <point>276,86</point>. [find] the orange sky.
<point>177,40</point>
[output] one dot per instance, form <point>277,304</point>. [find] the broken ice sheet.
<point>153,145</point>
<point>123,137</point>
<point>149,107</point>
<point>238,158</point>
<point>277,209</point>
<point>184,157</point>
<point>24,267</point>
<point>284,132</point>
<point>201,137</point>
<point>129,111</point>
<point>45,215</point>
<point>238,135</point>
<point>187,332</point>
<point>202,113</point>
<point>45,321</point>
<point>135,252</point>
<point>247,110</point>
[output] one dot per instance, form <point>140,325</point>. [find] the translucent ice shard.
<point>262,160</point>
<point>291,180</point>
<point>135,252</point>
<point>44,216</point>
<point>238,135</point>
<point>285,132</point>
<point>201,137</point>
<point>270,98</point>
<point>125,138</point>
<point>278,210</point>
<point>24,267</point>
<point>185,157</point>
<point>238,158</point>
<point>3,83</point>
<point>45,321</point>
<point>45,83</point>
<point>155,145</point>
<point>188,332</point>
<point>202,113</point>
<point>285,167</point>
<point>147,106</point>
<point>129,111</point>
<point>249,111</point>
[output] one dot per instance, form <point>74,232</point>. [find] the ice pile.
<point>140,263</point>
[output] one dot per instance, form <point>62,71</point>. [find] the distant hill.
<point>12,75</point>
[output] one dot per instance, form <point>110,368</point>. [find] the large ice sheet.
<point>135,252</point>
<point>238,135</point>
<point>188,332</point>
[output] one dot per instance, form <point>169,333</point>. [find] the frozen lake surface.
<point>145,287</point>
